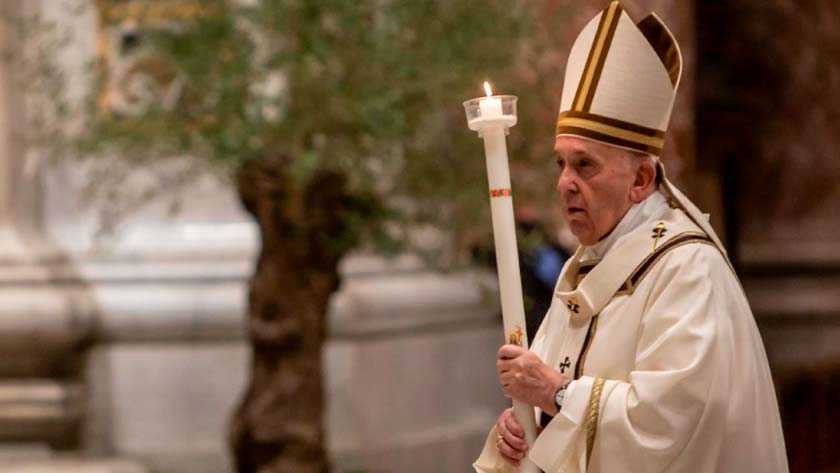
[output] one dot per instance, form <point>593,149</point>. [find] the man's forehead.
<point>570,145</point>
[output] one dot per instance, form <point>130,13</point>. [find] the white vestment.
<point>670,371</point>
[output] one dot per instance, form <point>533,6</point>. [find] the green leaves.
<point>370,89</point>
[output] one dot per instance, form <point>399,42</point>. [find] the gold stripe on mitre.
<point>611,131</point>
<point>597,56</point>
<point>623,78</point>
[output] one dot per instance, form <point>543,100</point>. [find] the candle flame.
<point>487,89</point>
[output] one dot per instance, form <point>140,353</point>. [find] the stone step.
<point>70,465</point>
<point>38,458</point>
<point>40,410</point>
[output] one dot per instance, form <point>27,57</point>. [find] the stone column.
<point>40,326</point>
<point>18,211</point>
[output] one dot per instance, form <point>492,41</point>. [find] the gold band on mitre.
<point>611,131</point>
<point>621,82</point>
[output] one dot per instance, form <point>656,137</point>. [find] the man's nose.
<point>566,181</point>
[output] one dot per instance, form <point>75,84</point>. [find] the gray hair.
<point>639,157</point>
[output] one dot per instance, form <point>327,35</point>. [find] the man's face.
<point>594,184</point>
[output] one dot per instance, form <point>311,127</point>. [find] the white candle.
<point>491,107</point>
<point>492,127</point>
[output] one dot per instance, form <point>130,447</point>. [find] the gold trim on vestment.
<point>645,266</point>
<point>589,263</point>
<point>592,413</point>
<point>587,342</point>
<point>584,267</point>
<point>633,281</point>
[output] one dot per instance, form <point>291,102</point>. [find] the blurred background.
<point>225,224</point>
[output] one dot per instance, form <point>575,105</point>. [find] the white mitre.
<point>620,86</point>
<point>621,81</point>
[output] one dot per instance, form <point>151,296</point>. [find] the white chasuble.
<point>670,371</point>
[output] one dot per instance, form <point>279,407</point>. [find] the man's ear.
<point>643,183</point>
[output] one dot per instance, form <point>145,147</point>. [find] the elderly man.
<point>649,359</point>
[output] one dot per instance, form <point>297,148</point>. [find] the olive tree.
<point>340,125</point>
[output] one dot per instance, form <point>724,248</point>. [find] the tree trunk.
<point>277,428</point>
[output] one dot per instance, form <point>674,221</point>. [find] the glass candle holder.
<point>484,112</point>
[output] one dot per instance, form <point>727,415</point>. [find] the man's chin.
<point>583,233</point>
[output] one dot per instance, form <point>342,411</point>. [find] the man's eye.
<point>587,168</point>
<point>561,164</point>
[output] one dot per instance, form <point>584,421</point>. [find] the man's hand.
<point>511,439</point>
<point>525,378</point>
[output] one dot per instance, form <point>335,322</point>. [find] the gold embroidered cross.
<point>573,305</point>
<point>658,232</point>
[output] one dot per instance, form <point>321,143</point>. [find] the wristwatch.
<point>561,394</point>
